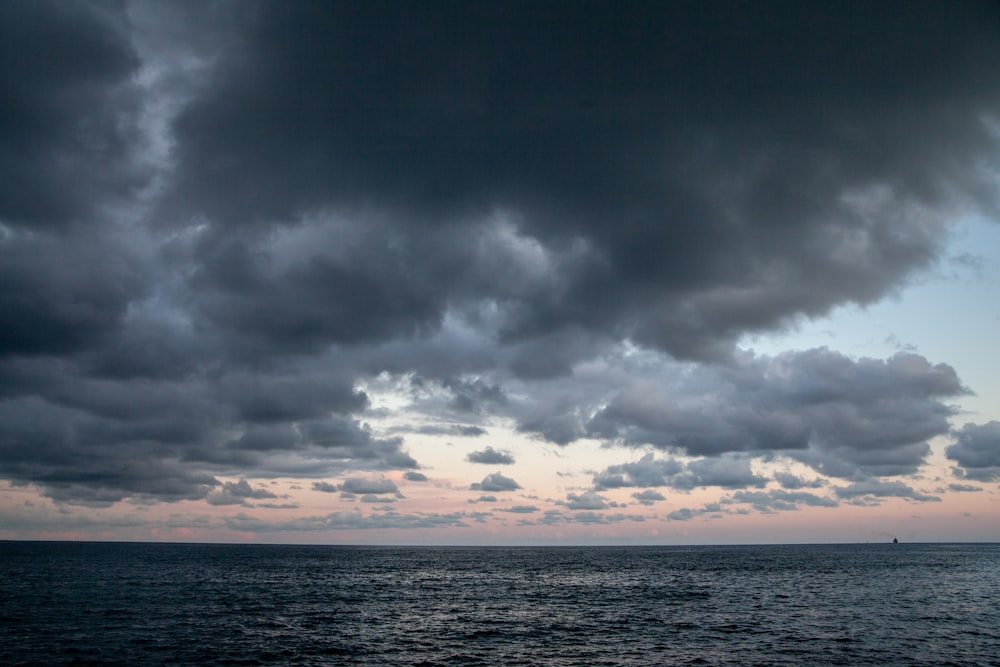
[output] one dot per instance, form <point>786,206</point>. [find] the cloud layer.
<point>222,226</point>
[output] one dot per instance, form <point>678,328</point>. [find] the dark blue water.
<point>149,604</point>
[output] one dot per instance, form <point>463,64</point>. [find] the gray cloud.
<point>818,406</point>
<point>645,472</point>
<point>372,498</point>
<point>359,485</point>
<point>648,497</point>
<point>588,500</point>
<point>684,514</point>
<point>216,227</point>
<point>473,395</point>
<point>964,488</point>
<point>794,483</point>
<point>977,451</point>
<point>555,517</point>
<point>726,472</point>
<point>866,490</point>
<point>325,487</point>
<point>490,456</point>
<point>496,482</point>
<point>520,509</point>
<point>237,493</point>
<point>781,500</point>
<point>349,520</point>
<point>467,431</point>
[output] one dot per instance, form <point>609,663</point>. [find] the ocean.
<point>200,604</point>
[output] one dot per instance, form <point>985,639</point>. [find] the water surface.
<point>100,603</point>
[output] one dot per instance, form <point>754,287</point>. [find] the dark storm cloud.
<point>220,222</point>
<point>66,293</point>
<point>167,437</point>
<point>67,124</point>
<point>342,439</point>
<point>603,518</point>
<point>977,451</point>
<point>349,288</point>
<point>490,456</point>
<point>680,174</point>
<point>267,438</point>
<point>260,398</point>
<point>86,458</point>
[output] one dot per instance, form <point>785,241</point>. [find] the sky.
<point>500,272</point>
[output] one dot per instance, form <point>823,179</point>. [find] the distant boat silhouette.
<point>895,541</point>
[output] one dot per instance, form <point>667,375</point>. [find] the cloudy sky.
<point>500,272</point>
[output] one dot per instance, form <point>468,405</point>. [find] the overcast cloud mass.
<point>228,231</point>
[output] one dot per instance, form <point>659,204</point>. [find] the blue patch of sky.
<point>949,314</point>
